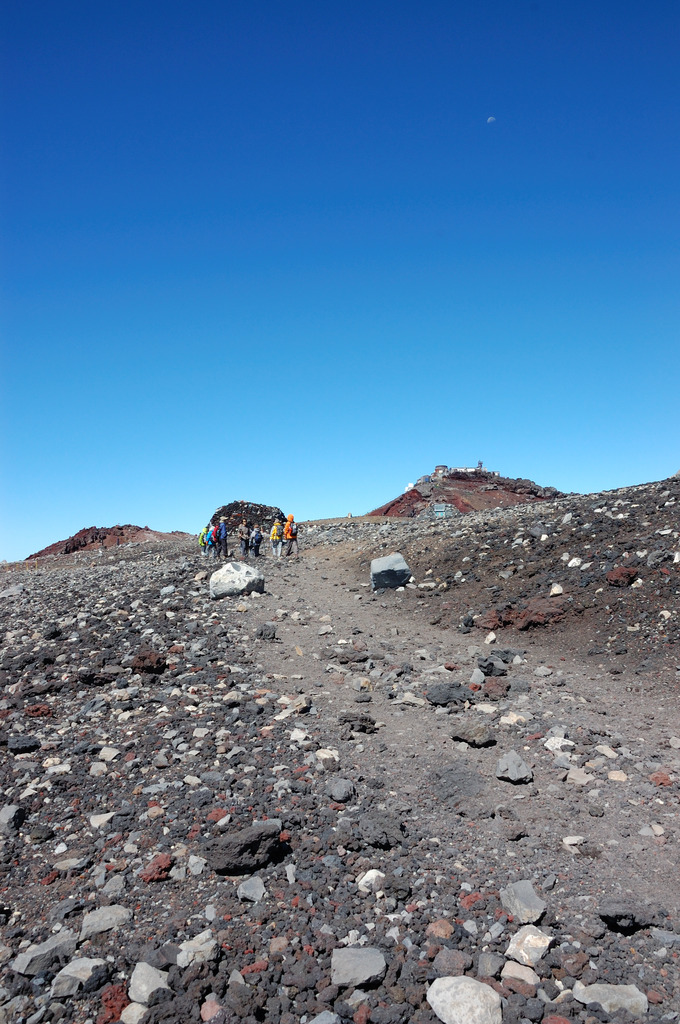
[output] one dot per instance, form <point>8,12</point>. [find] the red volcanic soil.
<point>467,493</point>
<point>104,537</point>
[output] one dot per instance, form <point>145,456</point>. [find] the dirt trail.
<point>414,742</point>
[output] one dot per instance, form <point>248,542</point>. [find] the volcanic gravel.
<point>320,800</point>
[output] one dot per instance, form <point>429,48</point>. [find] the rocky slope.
<point>465,492</point>
<point>104,537</point>
<point>322,800</point>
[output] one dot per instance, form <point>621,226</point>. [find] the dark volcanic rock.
<point>247,850</point>
<point>442,694</point>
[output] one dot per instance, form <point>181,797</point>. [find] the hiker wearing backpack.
<point>222,534</point>
<point>211,542</point>
<point>244,538</point>
<point>290,532</point>
<point>202,541</point>
<point>276,538</point>
<point>255,540</point>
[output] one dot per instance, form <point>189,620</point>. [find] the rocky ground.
<point>457,801</point>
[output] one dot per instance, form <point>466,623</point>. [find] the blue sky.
<point>277,251</point>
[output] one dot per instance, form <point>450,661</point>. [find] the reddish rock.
<point>441,929</point>
<point>450,963</point>
<point>541,611</point>
<point>554,1019</point>
<point>654,997</point>
<point>114,1000</point>
<point>660,779</point>
<point>158,869</point>
<point>256,968</point>
<point>521,987</point>
<point>210,1008</point>
<point>495,688</point>
<point>216,814</point>
<point>362,1014</point>
<point>467,902</point>
<point>38,711</point>
<point>150,662</point>
<point>622,576</point>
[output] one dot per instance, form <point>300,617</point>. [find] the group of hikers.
<point>212,539</point>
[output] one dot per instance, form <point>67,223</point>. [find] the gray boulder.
<point>462,1000</point>
<point>245,851</point>
<point>512,768</point>
<point>236,578</point>
<point>389,572</point>
<point>74,975</point>
<point>520,900</point>
<point>612,997</point>
<point>145,982</point>
<point>357,966</point>
<point>40,957</point>
<point>475,732</point>
<point>11,818</point>
<point>442,694</point>
<point>105,919</point>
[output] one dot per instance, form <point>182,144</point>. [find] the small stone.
<point>475,733</point>
<point>11,818</point>
<point>512,768</point>
<point>528,945</point>
<point>450,963</point>
<point>105,919</point>
<point>556,590</point>
<point>617,776</point>
<point>145,981</point>
<point>520,900</point>
<point>520,972</point>
<point>199,950</point>
<point>579,777</point>
<point>133,1013</point>
<point>612,997</point>
<point>252,889</point>
<point>357,966</point>
<point>464,1001</point>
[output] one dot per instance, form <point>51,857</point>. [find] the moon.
<point>490,120</point>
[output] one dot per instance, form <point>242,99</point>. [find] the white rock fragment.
<point>612,997</point>
<point>529,945</point>
<point>145,981</point>
<point>463,1000</point>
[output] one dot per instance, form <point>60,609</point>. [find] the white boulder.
<point>236,578</point>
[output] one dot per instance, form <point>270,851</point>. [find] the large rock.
<point>357,966</point>
<point>74,975</point>
<point>389,572</point>
<point>612,997</point>
<point>40,957</point>
<point>104,919</point>
<point>145,982</point>
<point>512,768</point>
<point>463,1000</point>
<point>245,851</point>
<point>236,578</point>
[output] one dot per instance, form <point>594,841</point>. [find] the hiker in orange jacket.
<point>290,532</point>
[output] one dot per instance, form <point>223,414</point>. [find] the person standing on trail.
<point>255,540</point>
<point>290,531</point>
<point>276,538</point>
<point>244,538</point>
<point>202,542</point>
<point>222,534</point>
<point>211,542</point>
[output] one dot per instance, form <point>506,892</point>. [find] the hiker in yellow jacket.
<point>276,538</point>
<point>290,532</point>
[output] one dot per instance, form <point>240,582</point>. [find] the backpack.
<point>292,530</point>
<point>256,537</point>
<point>276,531</point>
